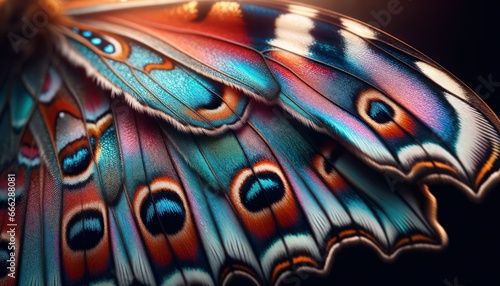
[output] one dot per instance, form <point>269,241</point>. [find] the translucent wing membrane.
<point>184,143</point>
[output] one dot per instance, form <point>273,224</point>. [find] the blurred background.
<point>463,37</point>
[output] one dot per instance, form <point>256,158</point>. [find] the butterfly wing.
<point>113,195</point>
<point>412,119</point>
<point>193,144</point>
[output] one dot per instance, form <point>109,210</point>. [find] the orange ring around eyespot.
<point>230,100</point>
<point>392,130</point>
<point>333,178</point>
<point>261,223</point>
<point>184,243</point>
<point>122,48</point>
<point>74,261</point>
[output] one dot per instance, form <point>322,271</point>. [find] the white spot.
<point>301,10</point>
<point>23,160</point>
<point>68,129</point>
<point>78,179</point>
<point>356,48</point>
<point>412,154</point>
<point>442,78</point>
<point>293,33</point>
<point>358,28</point>
<point>193,276</point>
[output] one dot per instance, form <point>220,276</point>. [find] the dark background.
<point>463,37</point>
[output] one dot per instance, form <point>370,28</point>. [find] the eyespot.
<point>384,115</point>
<point>28,154</point>
<point>380,112</point>
<point>222,107</point>
<point>324,166</point>
<point>85,230</point>
<point>75,159</point>
<point>164,220</point>
<point>84,236</point>
<point>163,208</point>
<point>263,198</point>
<point>76,162</point>
<point>261,190</point>
<point>215,103</point>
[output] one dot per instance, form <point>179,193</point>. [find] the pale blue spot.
<point>380,112</point>
<point>86,34</point>
<point>256,187</point>
<point>164,206</point>
<point>109,49</point>
<point>72,163</point>
<point>96,41</point>
<point>88,224</point>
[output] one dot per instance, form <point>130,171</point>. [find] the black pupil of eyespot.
<point>85,230</point>
<point>213,104</point>
<point>261,191</point>
<point>381,112</point>
<point>163,211</point>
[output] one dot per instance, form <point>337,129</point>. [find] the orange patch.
<point>489,163</point>
<point>122,49</point>
<point>301,259</point>
<point>165,65</point>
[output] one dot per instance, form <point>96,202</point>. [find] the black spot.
<point>163,211</point>
<point>261,191</point>
<point>256,17</point>
<point>85,230</point>
<point>380,111</point>
<point>77,162</point>
<point>203,10</point>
